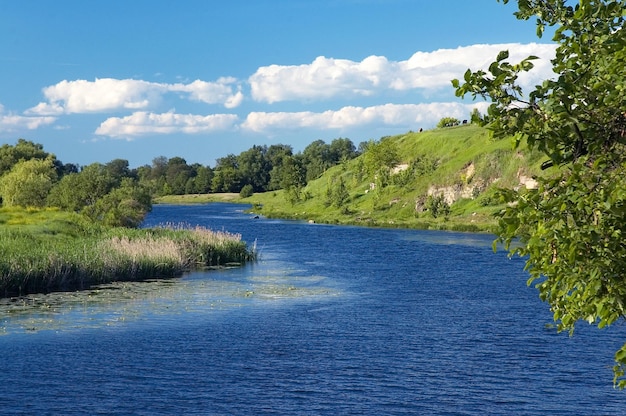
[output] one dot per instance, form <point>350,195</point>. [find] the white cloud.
<point>14,123</point>
<point>409,116</point>
<point>109,94</point>
<point>143,123</point>
<point>327,78</point>
<point>220,92</point>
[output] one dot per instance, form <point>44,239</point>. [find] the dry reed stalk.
<point>146,249</point>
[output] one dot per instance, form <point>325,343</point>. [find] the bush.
<point>448,122</point>
<point>246,191</point>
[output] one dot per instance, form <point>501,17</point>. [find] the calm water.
<point>331,320</point>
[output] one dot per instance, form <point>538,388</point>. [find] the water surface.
<point>331,320</point>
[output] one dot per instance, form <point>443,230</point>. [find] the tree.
<point>342,149</point>
<point>124,206</point>
<point>254,168</point>
<point>293,178</point>
<point>571,228</point>
<point>23,150</point>
<point>317,159</point>
<point>276,155</point>
<point>448,122</point>
<point>202,180</point>
<point>177,174</point>
<point>380,157</point>
<point>226,175</point>
<point>28,183</point>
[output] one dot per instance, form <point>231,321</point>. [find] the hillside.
<point>453,170</point>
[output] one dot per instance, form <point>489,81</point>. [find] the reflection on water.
<point>120,302</point>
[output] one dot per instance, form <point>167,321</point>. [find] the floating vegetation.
<point>123,302</point>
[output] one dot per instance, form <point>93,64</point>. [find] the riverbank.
<point>463,217</point>
<point>50,250</point>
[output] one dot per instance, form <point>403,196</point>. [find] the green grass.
<point>495,163</point>
<point>51,250</point>
<point>455,151</point>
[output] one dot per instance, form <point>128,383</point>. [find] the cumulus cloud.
<point>327,78</point>
<point>407,116</point>
<point>13,123</point>
<point>143,123</point>
<point>109,94</point>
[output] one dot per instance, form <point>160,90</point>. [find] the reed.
<point>32,262</point>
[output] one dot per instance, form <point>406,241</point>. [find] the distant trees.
<point>448,122</point>
<point>109,193</point>
<point>115,194</point>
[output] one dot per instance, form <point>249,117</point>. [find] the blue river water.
<point>331,320</point>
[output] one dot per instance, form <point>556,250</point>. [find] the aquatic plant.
<point>33,262</point>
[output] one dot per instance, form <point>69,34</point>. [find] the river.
<point>331,320</point>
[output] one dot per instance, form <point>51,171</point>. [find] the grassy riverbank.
<point>461,167</point>
<point>51,250</point>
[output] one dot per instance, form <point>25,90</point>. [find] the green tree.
<point>226,175</point>
<point>571,228</point>
<point>317,158</point>
<point>254,168</point>
<point>448,122</point>
<point>124,206</point>
<point>23,150</point>
<point>293,178</point>
<point>177,174</point>
<point>76,191</point>
<point>246,191</point>
<point>202,180</point>
<point>342,149</point>
<point>28,183</point>
<point>276,155</point>
<point>337,192</point>
<point>119,169</point>
<point>380,157</point>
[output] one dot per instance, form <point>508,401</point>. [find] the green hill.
<point>446,179</point>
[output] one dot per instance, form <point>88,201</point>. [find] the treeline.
<point>258,169</point>
<point>114,194</point>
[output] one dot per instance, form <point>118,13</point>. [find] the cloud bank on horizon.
<point>135,108</point>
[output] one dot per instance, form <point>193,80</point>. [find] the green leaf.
<point>502,55</point>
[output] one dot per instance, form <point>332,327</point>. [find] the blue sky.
<point>98,80</point>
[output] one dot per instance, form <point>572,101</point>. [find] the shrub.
<point>246,191</point>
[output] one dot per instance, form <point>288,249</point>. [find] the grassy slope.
<point>495,163</point>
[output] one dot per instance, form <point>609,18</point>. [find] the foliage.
<point>124,206</point>
<point>246,191</point>
<point>437,206</point>
<point>571,228</point>
<point>28,183</point>
<point>380,157</point>
<point>448,122</point>
<point>319,156</point>
<point>337,192</point>
<point>21,151</point>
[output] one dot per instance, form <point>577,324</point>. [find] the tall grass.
<point>32,262</point>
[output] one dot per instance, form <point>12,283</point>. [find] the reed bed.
<point>31,262</point>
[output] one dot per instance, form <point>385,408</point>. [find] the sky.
<point>94,81</point>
